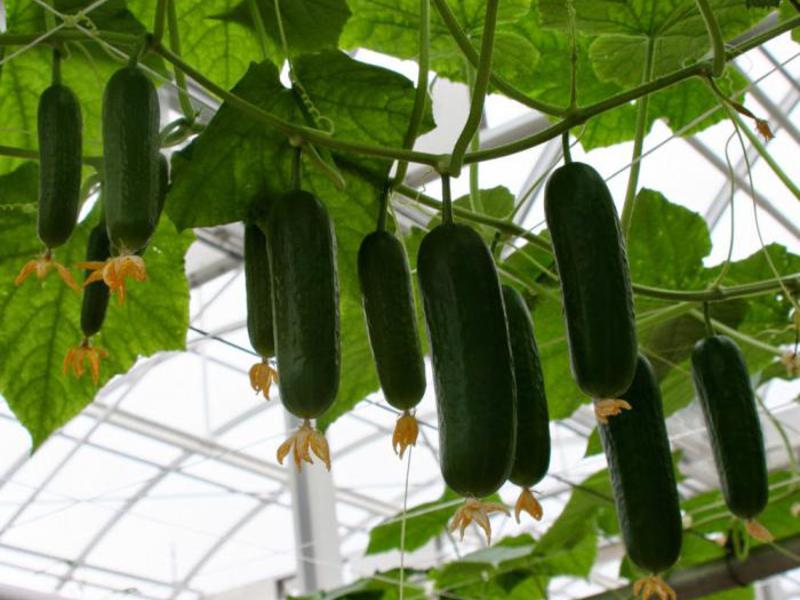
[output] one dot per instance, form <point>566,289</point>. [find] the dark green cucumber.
<point>532,456</point>
<point>60,155</point>
<point>305,302</point>
<point>259,291</point>
<point>726,395</point>
<point>95,295</point>
<point>642,477</point>
<point>595,280</point>
<point>391,319</point>
<point>131,159</point>
<point>473,372</point>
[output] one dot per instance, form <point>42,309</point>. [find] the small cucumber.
<point>60,155</point>
<point>726,395</point>
<point>259,291</point>
<point>473,372</point>
<point>595,280</point>
<point>642,477</point>
<point>305,302</point>
<point>532,456</point>
<point>131,159</point>
<point>95,295</point>
<point>391,319</point>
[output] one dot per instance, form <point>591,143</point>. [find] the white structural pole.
<point>316,528</point>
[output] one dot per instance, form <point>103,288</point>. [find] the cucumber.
<point>60,155</point>
<point>642,477</point>
<point>473,372</point>
<point>95,295</point>
<point>595,280</point>
<point>305,302</point>
<point>726,395</point>
<point>131,159</point>
<point>259,291</point>
<point>532,455</point>
<point>388,301</point>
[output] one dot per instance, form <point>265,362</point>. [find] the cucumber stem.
<point>707,319</point>
<point>479,90</point>
<point>261,31</point>
<point>297,168</point>
<point>180,77</point>
<point>714,36</point>
<point>638,143</point>
<point>421,92</point>
<point>160,17</point>
<point>565,148</point>
<point>383,206</point>
<point>447,201</point>
<point>56,66</point>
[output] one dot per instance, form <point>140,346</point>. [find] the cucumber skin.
<point>473,372</point>
<point>388,302</point>
<point>60,154</point>
<point>131,159</point>
<point>532,455</point>
<point>595,280</point>
<point>642,477</point>
<point>305,303</point>
<point>95,295</point>
<point>259,291</point>
<point>729,407</point>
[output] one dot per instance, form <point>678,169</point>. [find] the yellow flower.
<point>77,355</point>
<point>609,408</point>
<point>41,266</point>
<point>302,442</point>
<point>528,503</point>
<point>475,510</point>
<point>653,585</point>
<point>405,433</point>
<point>261,377</point>
<point>115,271</point>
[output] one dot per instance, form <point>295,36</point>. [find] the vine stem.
<point>573,42</point>
<point>465,45</point>
<point>718,294</point>
<point>290,129</point>
<point>175,44</point>
<point>479,90</point>
<point>715,37</point>
<point>158,23</point>
<point>638,142</point>
<point>475,201</point>
<point>421,92</point>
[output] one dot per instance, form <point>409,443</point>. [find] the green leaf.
<point>423,523</point>
<point>393,28</point>
<point>309,25</point>
<point>41,319</point>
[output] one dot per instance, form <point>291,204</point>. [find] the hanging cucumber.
<point>305,303</point>
<point>60,131</point>
<point>532,454</point>
<point>595,281</point>
<point>60,155</point>
<point>729,407</point>
<point>473,372</point>
<point>643,481</point>
<point>93,310</point>
<point>259,307</point>
<point>133,173</point>
<point>388,301</point>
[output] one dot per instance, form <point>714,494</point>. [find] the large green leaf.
<point>41,319</point>
<point>393,28</point>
